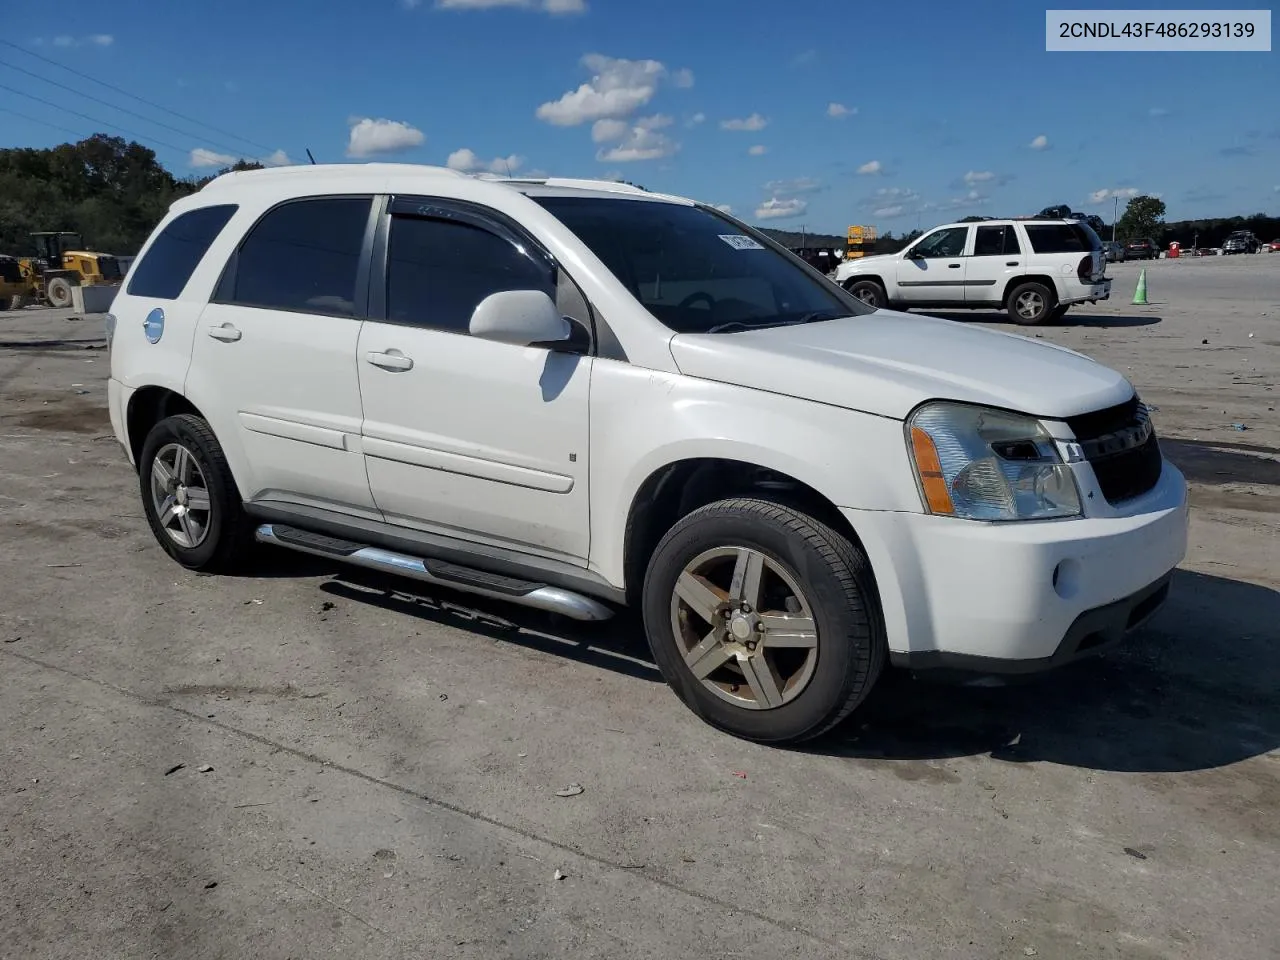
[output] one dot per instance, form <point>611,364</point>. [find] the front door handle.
<point>1011,263</point>
<point>953,266</point>
<point>227,333</point>
<point>391,360</point>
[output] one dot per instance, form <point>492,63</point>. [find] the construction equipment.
<point>862,242</point>
<point>12,286</point>
<point>60,264</point>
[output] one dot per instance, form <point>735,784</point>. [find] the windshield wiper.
<point>815,317</point>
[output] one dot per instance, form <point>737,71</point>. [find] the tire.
<point>217,538</point>
<point>5,303</point>
<point>59,292</point>
<point>869,292</point>
<point>1024,297</point>
<point>1057,313</point>
<point>814,679</point>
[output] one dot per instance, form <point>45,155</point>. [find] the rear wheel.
<point>869,292</point>
<point>764,621</point>
<point>1031,303</point>
<point>59,292</point>
<point>5,303</point>
<point>190,497</point>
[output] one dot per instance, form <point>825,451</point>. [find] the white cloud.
<point>1158,112</point>
<point>683,78</point>
<point>780,209</point>
<point>759,150</point>
<point>871,167</point>
<point>200,157</point>
<point>723,207</point>
<point>606,131</point>
<point>805,58</point>
<point>1039,143</point>
<point>641,141</point>
<point>790,188</point>
<point>66,40</point>
<point>970,200</point>
<point>1124,193</point>
<point>204,158</point>
<point>893,195</point>
<point>838,110</point>
<point>616,90</point>
<point>468,162</point>
<point>546,6</point>
<point>888,213</point>
<point>371,137</point>
<point>751,123</point>
<point>696,120</point>
<point>978,176</point>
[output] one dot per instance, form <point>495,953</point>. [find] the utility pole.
<point>802,232</point>
<point>1114,217</point>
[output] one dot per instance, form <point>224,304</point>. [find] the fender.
<point>644,420</point>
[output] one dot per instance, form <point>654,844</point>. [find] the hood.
<point>852,266</point>
<point>888,362</point>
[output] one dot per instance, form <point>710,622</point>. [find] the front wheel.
<point>764,621</point>
<point>59,292</point>
<point>190,497</point>
<point>1031,303</point>
<point>869,292</point>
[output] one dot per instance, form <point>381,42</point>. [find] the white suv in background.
<point>1034,269</point>
<point>576,395</point>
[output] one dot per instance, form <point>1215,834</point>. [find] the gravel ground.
<point>385,763</point>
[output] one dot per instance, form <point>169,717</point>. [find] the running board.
<point>439,573</point>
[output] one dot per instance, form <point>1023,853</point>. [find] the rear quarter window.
<point>173,256</point>
<point>1062,238</point>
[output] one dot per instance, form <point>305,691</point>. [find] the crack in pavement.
<point>474,815</point>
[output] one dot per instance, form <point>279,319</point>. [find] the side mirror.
<point>519,317</point>
<point>914,254</point>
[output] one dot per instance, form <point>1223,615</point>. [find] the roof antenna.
<point>507,163</point>
<point>309,156</point>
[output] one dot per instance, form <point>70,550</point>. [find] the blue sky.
<point>821,115</point>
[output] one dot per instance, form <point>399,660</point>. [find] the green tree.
<point>1143,217</point>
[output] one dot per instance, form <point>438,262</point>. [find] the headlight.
<point>983,464</point>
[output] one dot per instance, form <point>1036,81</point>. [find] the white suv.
<point>576,395</point>
<point>1034,269</point>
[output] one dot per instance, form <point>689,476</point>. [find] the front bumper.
<point>1021,597</point>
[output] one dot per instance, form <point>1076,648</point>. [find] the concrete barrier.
<point>93,299</point>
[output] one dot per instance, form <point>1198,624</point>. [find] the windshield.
<point>695,270</point>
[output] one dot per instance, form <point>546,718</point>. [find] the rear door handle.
<point>227,333</point>
<point>391,360</point>
<point>1011,263</point>
<point>953,266</point>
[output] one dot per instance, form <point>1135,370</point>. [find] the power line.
<point>134,96</point>
<point>107,103</point>
<point>55,126</point>
<point>85,116</point>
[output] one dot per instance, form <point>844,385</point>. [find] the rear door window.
<point>174,255</point>
<point>1062,238</point>
<point>996,242</point>
<point>303,257</point>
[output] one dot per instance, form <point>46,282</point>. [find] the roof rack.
<point>302,170</point>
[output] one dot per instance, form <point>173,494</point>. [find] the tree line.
<point>113,192</point>
<point>109,190</point>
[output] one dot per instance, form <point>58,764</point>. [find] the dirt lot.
<point>385,764</point>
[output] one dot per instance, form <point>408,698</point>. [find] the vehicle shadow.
<point>1193,690</point>
<point>1218,462</point>
<point>618,645</point>
<point>1072,319</point>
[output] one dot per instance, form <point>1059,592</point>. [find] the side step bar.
<point>439,573</point>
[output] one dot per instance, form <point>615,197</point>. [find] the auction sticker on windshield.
<point>740,242</point>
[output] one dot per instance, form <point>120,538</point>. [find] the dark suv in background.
<point>1141,248</point>
<point>1241,241</point>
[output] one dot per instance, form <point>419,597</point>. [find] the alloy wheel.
<point>745,628</point>
<point>180,495</point>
